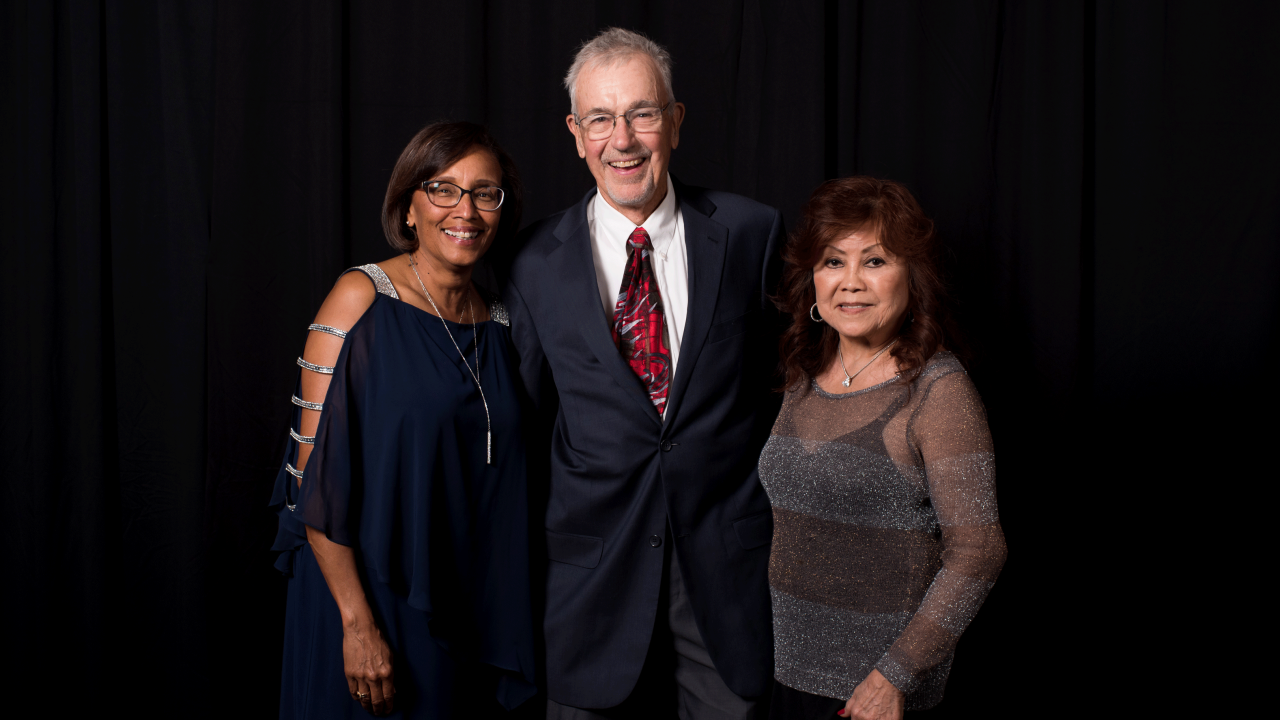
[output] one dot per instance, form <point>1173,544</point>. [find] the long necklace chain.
<point>848,379</point>
<point>488,433</point>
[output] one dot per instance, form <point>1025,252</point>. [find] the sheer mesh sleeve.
<point>308,407</point>
<point>949,430</point>
<point>326,494</point>
<point>323,362</point>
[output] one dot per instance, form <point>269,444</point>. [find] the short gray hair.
<point>612,46</point>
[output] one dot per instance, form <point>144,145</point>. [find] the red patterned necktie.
<point>639,326</point>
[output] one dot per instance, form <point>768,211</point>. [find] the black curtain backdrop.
<point>183,182</point>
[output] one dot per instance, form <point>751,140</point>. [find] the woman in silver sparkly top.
<point>880,466</point>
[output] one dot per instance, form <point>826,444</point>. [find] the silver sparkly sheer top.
<point>886,538</point>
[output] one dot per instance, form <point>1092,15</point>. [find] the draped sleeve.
<point>323,496</point>
<point>291,533</point>
<point>368,483</point>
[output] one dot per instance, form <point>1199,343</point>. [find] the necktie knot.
<point>638,239</point>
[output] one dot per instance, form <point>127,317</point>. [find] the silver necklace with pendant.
<point>488,433</point>
<point>848,379</point>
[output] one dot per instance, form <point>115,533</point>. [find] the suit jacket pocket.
<point>731,328</point>
<point>755,530</point>
<point>581,550</point>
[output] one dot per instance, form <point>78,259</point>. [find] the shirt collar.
<point>613,226</point>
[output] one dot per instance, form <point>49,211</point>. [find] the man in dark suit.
<point>643,326</point>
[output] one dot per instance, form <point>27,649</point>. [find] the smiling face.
<point>630,168</point>
<point>862,290</point>
<point>455,238</point>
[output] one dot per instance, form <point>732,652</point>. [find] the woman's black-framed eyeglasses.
<point>446,195</point>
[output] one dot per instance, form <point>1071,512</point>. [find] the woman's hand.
<point>366,657</point>
<point>874,699</point>
<point>366,660</point>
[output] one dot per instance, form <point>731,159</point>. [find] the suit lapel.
<point>705,242</point>
<point>573,269</point>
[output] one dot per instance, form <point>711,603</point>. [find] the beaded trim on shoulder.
<point>380,279</point>
<point>497,311</point>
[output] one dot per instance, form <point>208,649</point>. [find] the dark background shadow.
<point>182,183</point>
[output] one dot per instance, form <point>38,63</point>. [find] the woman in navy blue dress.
<point>402,497</point>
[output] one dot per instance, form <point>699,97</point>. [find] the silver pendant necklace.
<point>848,379</point>
<point>475,375</point>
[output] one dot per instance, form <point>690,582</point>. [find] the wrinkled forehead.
<point>627,79</point>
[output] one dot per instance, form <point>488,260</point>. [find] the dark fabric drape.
<point>182,183</point>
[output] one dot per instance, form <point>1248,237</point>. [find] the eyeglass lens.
<point>446,194</point>
<point>648,119</point>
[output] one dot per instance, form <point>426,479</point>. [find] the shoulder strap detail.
<point>497,310</point>
<point>379,278</point>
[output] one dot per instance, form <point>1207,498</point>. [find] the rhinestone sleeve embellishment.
<point>498,312</point>
<point>293,471</point>
<point>326,329</point>
<point>308,405</point>
<point>308,439</point>
<point>322,369</point>
<point>380,279</point>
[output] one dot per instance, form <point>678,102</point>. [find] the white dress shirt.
<point>609,232</point>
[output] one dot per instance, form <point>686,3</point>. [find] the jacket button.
<point>655,541</point>
<point>666,446</point>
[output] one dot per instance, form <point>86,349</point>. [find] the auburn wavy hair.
<point>834,211</point>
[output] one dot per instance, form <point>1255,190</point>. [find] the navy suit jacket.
<point>619,475</point>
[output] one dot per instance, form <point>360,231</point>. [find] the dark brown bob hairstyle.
<point>834,211</point>
<point>432,150</point>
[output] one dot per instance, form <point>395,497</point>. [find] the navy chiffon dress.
<point>398,473</point>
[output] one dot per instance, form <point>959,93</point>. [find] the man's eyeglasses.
<point>599,126</point>
<point>446,195</point>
